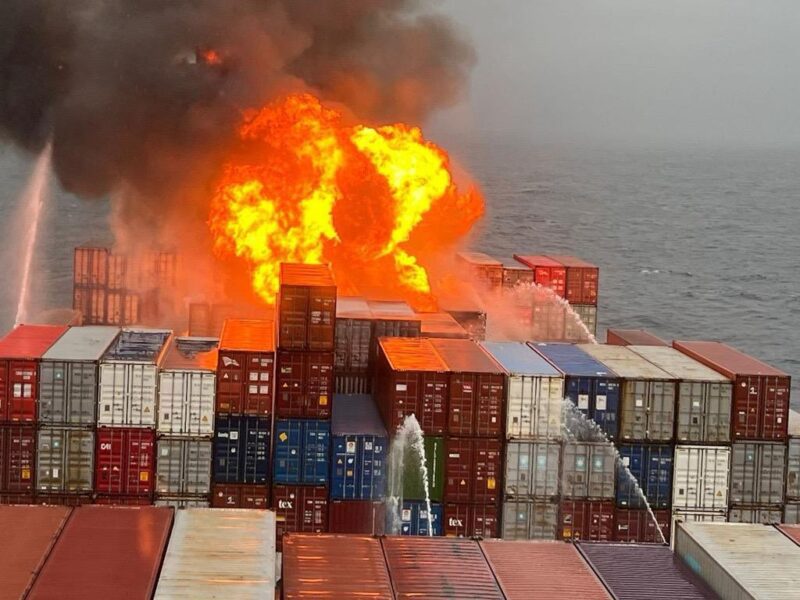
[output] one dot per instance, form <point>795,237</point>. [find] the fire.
<point>211,57</point>
<point>375,203</point>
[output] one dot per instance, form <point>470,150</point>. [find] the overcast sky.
<point>705,71</point>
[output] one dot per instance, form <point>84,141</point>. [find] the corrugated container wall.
<point>238,495</point>
<point>441,325</point>
<point>413,519</point>
<point>588,470</point>
<point>305,384</point>
<point>546,272</point>
<point>357,516</point>
<point>300,508</point>
<point>359,449</point>
<point>246,368</point>
<point>701,477</point>
<point>183,467</point>
<point>473,470</point>
<point>302,451</point>
<point>306,307</point>
<point>793,457</point>
<point>241,449</point>
<point>488,271</point>
<point>582,279</point>
<point>17,463</point>
<point>125,461</point>
<point>632,337</point>
<point>757,473</point>
<point>586,520</point>
<point>462,519</point>
<point>651,466</point>
<point>637,525</point>
<point>756,514</point>
<point>532,469</point>
<point>529,519</point>
<point>65,460</point>
<point>353,335</point>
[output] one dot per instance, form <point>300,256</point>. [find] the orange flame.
<point>211,57</point>
<point>376,203</point>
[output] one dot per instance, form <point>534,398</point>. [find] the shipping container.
<point>405,472</point>
<point>31,532</point>
<point>90,303</point>
<point>306,307</point>
<point>51,499</point>
<point>637,525</point>
<point>547,272</point>
<point>760,392</point>
<point>473,470</point>
<point>588,470</point>
<point>441,325</point>
<point>334,566</point>
<point>412,518</point>
<point>17,461</point>
<point>587,314</point>
<point>647,408</point>
<point>125,461</point>
<point>529,519</point>
<point>534,389</point>
<point>68,376</point>
<point>471,520</point>
<point>438,568</point>
<point>532,469</point>
<point>701,516</point>
<point>758,471</point>
<point>643,572</point>
<point>793,533</point>
<point>126,307</point>
<point>651,466</point>
<point>412,380</point>
<point>64,460</point>
<point>187,388</point>
<point>473,320</point>
<point>793,457</point>
<point>239,495</point>
<point>20,355</point>
<point>116,500</point>
<point>302,451</point>
<point>633,337</point>
<point>791,513</point>
<point>515,274</point>
<point>560,572</point>
<point>246,367</point>
<point>90,266</point>
<point>704,396</point>
<point>766,515</point>
<point>701,479</point>
<point>352,383</point>
<point>360,447</point>
<point>105,549</point>
<point>181,503</point>
<point>241,449</point>
<point>304,383</point>
<point>391,319</point>
<point>183,467</point>
<point>300,508</point>
<point>740,561</point>
<point>219,554</point>
<point>582,279</point>
<point>129,378</point>
<point>357,516</point>
<point>354,327</point>
<point>485,270</point>
<point>586,520</point>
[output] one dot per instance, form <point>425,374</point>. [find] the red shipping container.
<point>473,469</point>
<point>357,516</point>
<point>412,379</point>
<point>246,367</point>
<point>582,279</point>
<point>300,508</point>
<point>63,499</point>
<point>125,461</point>
<point>17,459</point>
<point>306,307</point>
<point>123,500</point>
<point>476,389</point>
<point>547,272</point>
<point>586,520</point>
<point>305,384</point>
<point>633,337</point>
<point>471,520</point>
<point>760,408</point>
<point>20,352</point>
<point>636,525</point>
<point>233,495</point>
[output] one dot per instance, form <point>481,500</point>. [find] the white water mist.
<point>409,435</point>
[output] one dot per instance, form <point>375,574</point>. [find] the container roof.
<point>465,356</point>
<point>571,360</point>
<point>306,275</point>
<point>30,341</point>
<point>192,354</point>
<point>356,414</point>
<point>441,325</point>
<point>678,364</point>
<point>391,309</point>
<point>537,260</point>
<point>248,335</point>
<point>412,354</point>
<point>572,261</point>
<point>726,360</point>
<point>625,363</point>
<point>352,307</point>
<point>517,358</point>
<point>138,345</point>
<point>639,337</point>
<point>82,343</point>
<point>791,531</point>
<point>479,258</point>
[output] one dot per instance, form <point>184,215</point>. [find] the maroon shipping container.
<point>582,279</point>
<point>300,508</point>
<point>235,495</point>
<point>546,272</point>
<point>476,389</point>
<point>357,516</point>
<point>17,460</point>
<point>636,525</point>
<point>29,533</point>
<point>586,520</point>
<point>106,552</point>
<point>439,567</point>
<point>412,379</point>
<point>760,408</point>
<point>123,500</point>
<point>63,499</point>
<point>334,566</point>
<point>633,337</point>
<point>245,367</point>
<point>473,469</point>
<point>306,307</point>
<point>125,461</point>
<point>471,520</point>
<point>20,352</point>
<point>304,381</point>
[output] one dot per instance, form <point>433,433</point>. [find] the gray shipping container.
<point>589,470</point>
<point>183,467</point>
<point>183,502</point>
<point>65,460</point>
<point>791,513</point>
<point>793,457</point>
<point>766,515</point>
<point>757,473</point>
<point>68,376</point>
<point>531,469</point>
<point>529,520</point>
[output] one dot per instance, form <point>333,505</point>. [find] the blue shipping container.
<point>652,468</point>
<point>589,384</point>
<point>414,518</point>
<point>358,461</point>
<point>302,451</point>
<point>241,449</point>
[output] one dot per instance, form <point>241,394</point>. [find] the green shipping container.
<point>412,474</point>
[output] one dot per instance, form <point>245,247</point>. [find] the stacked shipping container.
<point>791,511</point>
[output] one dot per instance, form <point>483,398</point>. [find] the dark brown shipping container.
<point>306,307</point>
<point>487,270</point>
<point>90,266</point>
<point>236,495</point>
<point>558,572</point>
<point>437,568</point>
<point>63,499</point>
<point>125,461</point>
<point>357,516</point>
<point>123,500</point>
<point>304,381</point>
<point>441,325</point>
<point>17,460</point>
<point>473,468</point>
<point>546,272</point>
<point>105,550</point>
<point>471,520</point>
<point>245,367</point>
<point>586,520</point>
<point>29,533</point>
<point>299,508</point>
<point>582,279</point>
<point>636,525</point>
<point>760,408</point>
<point>90,302</point>
<point>633,337</point>
<point>334,566</point>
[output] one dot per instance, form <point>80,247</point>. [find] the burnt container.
<point>306,308</point>
<point>359,449</point>
<point>302,451</point>
<point>246,368</point>
<point>304,384</point>
<point>241,449</point>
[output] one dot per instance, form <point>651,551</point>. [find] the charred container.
<point>306,308</point>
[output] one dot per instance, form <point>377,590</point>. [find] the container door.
<point>688,478</point>
<point>486,471</point>
<point>256,452</point>
<point>111,409</point>
<point>743,473</point>
<point>718,424</point>
<point>634,458</point>
<point>433,402</point>
<point>520,409</point>
<point>79,461</point>
<point>169,476</point>
<point>140,467</point>
<point>228,448</point>
<point>658,486</point>
<point>288,450</point>
<point>198,403</point>
<point>258,391</point>
<point>775,419</point>
<point>747,402</point>
<point>321,318</point>
<point>197,472</point>
<point>112,456</point>
<point>316,453</point>
<point>793,469</point>
<point>459,467</point>
<point>19,459</point>
<point>231,381</point>
<point>463,389</point>
<point>771,474</point>
<point>319,385</point>
<point>292,384</point>
<point>489,406</point>
<point>82,393</point>
<point>602,470</point>
<point>634,410</point>
<point>50,460</point>
<point>716,472</point>
<point>344,469</point>
<point>141,409</point>
<point>4,388</point>
<point>293,307</point>
<point>170,403</point>
<point>692,412</point>
<point>53,392</point>
<point>23,386</point>
<point>661,407</point>
<point>575,480</point>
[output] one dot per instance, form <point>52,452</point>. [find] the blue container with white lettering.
<point>302,451</point>
<point>651,465</point>
<point>241,449</point>
<point>414,518</point>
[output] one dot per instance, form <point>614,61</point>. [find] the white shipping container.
<point>219,553</point>
<point>186,403</point>
<point>701,478</point>
<point>793,457</point>
<point>127,395</point>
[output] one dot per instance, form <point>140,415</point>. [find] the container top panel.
<point>517,358</point>
<point>572,361</point>
<point>794,423</point>
<point>465,356</point>
<point>441,324</point>
<point>537,260</point>
<point>572,261</point>
<point>192,354</point>
<point>306,275</point>
<point>791,531</point>
<point>510,263</point>
<point>678,364</point>
<point>30,341</point>
<point>625,363</point>
<point>636,337</point>
<point>356,414</point>
<point>479,258</point>
<point>726,360</point>
<point>559,571</point>
<point>352,307</point>
<point>248,335</point>
<point>138,345</point>
<point>412,354</point>
<point>334,566</point>
<point>82,343</point>
<point>391,309</point>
